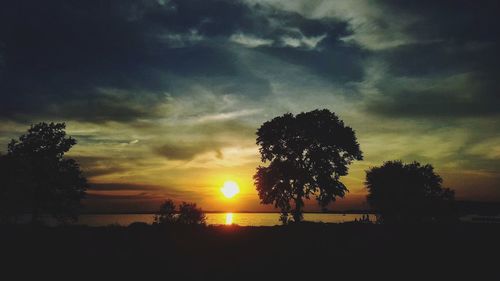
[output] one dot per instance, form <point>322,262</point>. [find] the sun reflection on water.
<point>229,218</point>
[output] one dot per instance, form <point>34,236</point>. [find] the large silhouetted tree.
<point>308,153</point>
<point>38,179</point>
<point>401,192</point>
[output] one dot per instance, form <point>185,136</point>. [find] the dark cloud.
<point>337,62</point>
<point>61,58</point>
<point>94,166</point>
<point>457,21</point>
<point>213,18</point>
<point>481,101</point>
<point>450,38</point>
<point>184,151</point>
<point>113,60</point>
<point>121,191</point>
<point>58,55</point>
<point>114,202</point>
<point>123,186</point>
<point>137,196</point>
<point>428,59</point>
<point>204,63</point>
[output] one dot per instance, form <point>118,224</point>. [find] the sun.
<point>230,189</point>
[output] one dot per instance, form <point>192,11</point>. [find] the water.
<point>242,219</point>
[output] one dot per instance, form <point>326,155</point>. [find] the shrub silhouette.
<point>401,192</point>
<point>190,214</point>
<point>166,214</point>
<point>308,153</point>
<point>38,179</point>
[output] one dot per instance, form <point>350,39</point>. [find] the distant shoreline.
<point>238,212</point>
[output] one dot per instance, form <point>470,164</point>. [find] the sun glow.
<point>230,189</point>
<point>229,218</point>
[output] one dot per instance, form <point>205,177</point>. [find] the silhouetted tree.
<point>42,180</point>
<point>308,153</point>
<point>166,214</point>
<point>190,214</point>
<point>401,192</point>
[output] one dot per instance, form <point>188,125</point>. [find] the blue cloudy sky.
<point>165,96</point>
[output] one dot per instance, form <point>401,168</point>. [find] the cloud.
<point>302,41</point>
<point>173,91</point>
<point>185,151</point>
<point>209,135</point>
<point>181,40</point>
<point>123,186</point>
<point>451,96</point>
<point>298,40</point>
<point>228,115</point>
<point>373,25</point>
<point>250,41</point>
<point>123,191</point>
<point>58,67</point>
<point>94,166</point>
<point>488,148</point>
<point>70,67</point>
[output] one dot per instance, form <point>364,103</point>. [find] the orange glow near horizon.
<point>230,189</point>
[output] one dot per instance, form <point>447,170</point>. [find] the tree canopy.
<point>307,155</point>
<point>166,213</point>
<point>38,179</point>
<point>412,192</point>
<point>190,214</point>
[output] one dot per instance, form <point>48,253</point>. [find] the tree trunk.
<point>297,212</point>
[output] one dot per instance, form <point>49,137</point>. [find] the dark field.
<point>235,253</point>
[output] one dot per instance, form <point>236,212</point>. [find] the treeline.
<point>306,156</point>
<point>308,153</point>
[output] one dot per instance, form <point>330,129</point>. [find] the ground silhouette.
<point>305,251</point>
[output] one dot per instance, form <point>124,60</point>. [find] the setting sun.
<point>230,189</point>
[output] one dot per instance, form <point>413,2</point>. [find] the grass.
<point>233,252</point>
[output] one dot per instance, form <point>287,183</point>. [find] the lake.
<point>242,219</point>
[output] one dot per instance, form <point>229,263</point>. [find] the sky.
<point>164,97</point>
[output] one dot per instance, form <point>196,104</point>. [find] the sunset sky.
<point>164,97</point>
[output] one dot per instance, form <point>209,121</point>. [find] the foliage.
<point>308,153</point>
<point>190,214</point>
<point>38,179</point>
<point>401,192</point>
<point>166,214</point>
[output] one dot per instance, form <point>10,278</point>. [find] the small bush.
<point>189,214</point>
<point>166,214</point>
